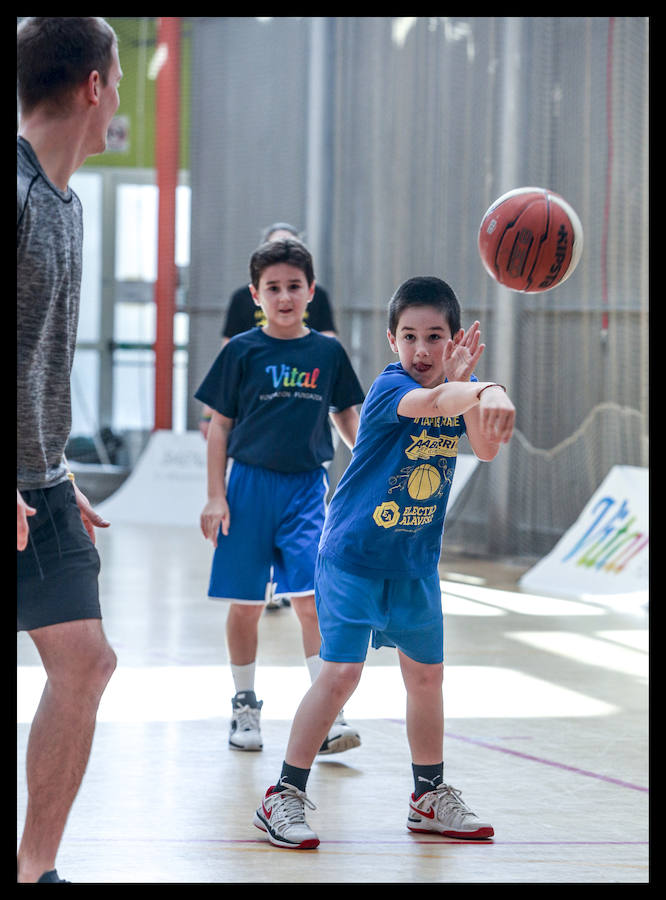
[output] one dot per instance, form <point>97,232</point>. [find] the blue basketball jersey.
<point>386,517</point>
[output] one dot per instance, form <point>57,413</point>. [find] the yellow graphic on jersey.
<point>260,317</point>
<point>425,446</point>
<point>387,514</point>
<point>423,482</point>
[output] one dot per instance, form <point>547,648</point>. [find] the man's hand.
<point>90,518</point>
<point>22,513</point>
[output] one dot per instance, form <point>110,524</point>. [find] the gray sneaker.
<point>282,816</point>
<point>443,811</point>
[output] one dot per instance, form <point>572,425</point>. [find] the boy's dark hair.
<point>55,54</point>
<point>291,252</point>
<point>425,291</point>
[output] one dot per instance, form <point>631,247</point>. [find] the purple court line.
<point>548,762</point>
<point>352,842</point>
<point>539,759</point>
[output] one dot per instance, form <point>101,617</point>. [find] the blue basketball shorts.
<point>276,520</point>
<point>355,611</point>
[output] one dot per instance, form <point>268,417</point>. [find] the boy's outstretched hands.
<point>462,353</point>
<point>498,415</point>
<point>490,423</point>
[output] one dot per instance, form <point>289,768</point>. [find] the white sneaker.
<point>244,731</point>
<point>443,811</point>
<point>269,595</point>
<point>341,737</point>
<point>282,817</point>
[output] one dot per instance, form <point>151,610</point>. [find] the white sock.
<point>243,677</point>
<point>314,664</point>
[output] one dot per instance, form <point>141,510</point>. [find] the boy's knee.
<point>424,677</point>
<point>245,612</point>
<point>243,618</point>
<point>305,608</point>
<point>343,677</point>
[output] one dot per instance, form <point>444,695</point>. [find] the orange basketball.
<point>530,240</point>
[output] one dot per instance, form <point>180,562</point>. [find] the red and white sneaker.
<point>443,812</point>
<point>282,816</point>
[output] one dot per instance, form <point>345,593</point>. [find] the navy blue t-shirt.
<point>279,394</point>
<point>386,517</point>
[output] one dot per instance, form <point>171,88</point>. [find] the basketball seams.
<point>539,245</point>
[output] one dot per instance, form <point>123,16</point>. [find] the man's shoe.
<point>443,812</point>
<point>51,878</point>
<point>282,816</point>
<point>244,731</point>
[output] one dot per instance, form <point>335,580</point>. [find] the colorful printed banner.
<point>606,551</point>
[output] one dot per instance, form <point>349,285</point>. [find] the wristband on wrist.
<point>494,384</point>
<point>70,475</point>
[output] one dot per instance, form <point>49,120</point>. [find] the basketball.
<point>423,482</point>
<point>530,240</point>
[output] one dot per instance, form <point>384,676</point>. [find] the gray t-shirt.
<point>49,237</point>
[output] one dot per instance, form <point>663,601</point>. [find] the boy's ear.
<point>311,291</point>
<point>391,340</point>
<point>255,295</point>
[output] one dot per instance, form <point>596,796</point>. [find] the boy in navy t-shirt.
<point>377,572</point>
<point>271,390</point>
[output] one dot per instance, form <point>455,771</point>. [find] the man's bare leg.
<point>79,663</point>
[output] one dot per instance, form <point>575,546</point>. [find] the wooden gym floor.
<point>546,719</point>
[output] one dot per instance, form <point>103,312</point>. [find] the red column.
<point>167,138</point>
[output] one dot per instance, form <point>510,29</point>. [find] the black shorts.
<point>59,568</point>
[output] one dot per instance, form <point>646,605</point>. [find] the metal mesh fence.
<point>388,138</point>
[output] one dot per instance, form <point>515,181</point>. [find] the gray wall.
<point>388,139</point>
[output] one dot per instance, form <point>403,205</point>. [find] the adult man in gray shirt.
<point>67,73</point>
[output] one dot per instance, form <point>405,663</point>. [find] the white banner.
<point>466,464</point>
<point>167,486</point>
<point>605,553</point>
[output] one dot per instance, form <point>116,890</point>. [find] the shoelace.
<point>291,810</point>
<point>247,717</point>
<point>450,797</point>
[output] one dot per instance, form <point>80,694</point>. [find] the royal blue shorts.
<point>354,611</point>
<point>276,522</point>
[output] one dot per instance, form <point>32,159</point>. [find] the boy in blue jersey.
<point>377,575</point>
<point>271,390</point>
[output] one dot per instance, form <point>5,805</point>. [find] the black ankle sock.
<point>427,778</point>
<point>294,776</point>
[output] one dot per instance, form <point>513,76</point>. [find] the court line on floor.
<point>355,841</point>
<point>545,762</point>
